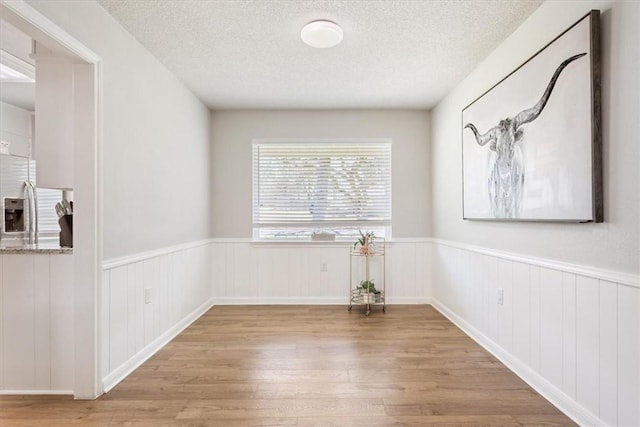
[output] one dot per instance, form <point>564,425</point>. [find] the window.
<point>48,226</point>
<point>300,188</point>
<point>47,218</point>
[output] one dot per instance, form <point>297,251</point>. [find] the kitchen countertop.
<point>39,248</point>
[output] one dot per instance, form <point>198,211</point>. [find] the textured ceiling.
<point>248,53</point>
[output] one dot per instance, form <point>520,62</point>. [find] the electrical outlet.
<point>147,295</point>
<point>500,296</point>
<point>323,266</point>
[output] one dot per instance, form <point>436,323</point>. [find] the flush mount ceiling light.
<point>321,34</point>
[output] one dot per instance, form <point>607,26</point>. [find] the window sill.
<point>298,243</point>
<point>301,243</point>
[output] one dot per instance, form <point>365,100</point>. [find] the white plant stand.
<point>367,267</point>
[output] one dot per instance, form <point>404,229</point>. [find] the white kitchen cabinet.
<point>53,142</point>
<point>15,130</point>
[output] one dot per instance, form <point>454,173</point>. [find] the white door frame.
<point>87,250</point>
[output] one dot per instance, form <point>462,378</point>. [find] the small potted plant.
<point>365,241</point>
<point>368,286</point>
<point>368,291</point>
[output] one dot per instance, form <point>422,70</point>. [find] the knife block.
<point>66,231</point>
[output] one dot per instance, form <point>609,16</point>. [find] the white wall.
<point>155,184</point>
<point>573,333</point>
<point>133,328</point>
<point>155,138</point>
<point>233,132</point>
<point>613,244</point>
<point>569,324</point>
<point>292,273</point>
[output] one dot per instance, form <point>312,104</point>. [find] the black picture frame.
<point>532,143</point>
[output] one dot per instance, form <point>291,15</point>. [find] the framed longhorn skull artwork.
<point>531,145</point>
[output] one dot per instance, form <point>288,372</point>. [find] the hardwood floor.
<point>307,366</point>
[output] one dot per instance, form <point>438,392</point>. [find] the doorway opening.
<point>83,120</point>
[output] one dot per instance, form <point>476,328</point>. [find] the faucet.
<point>32,203</point>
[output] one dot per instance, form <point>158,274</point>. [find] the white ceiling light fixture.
<point>321,34</point>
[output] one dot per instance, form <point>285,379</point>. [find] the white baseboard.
<point>409,300</point>
<point>309,300</point>
<point>566,404</point>
<point>36,392</point>
<point>152,348</point>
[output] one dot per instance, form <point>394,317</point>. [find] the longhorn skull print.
<point>506,180</point>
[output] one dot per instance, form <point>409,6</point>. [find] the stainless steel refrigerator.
<point>24,209</point>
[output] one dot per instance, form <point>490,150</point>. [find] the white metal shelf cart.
<point>367,284</point>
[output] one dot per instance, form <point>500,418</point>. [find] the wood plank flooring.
<point>307,366</point>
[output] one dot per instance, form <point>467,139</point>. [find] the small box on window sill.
<point>323,237</point>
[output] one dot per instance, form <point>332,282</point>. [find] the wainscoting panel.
<point>551,326</point>
<point>588,342</point>
<point>62,351</point>
<point>147,299</point>
<point>608,352</point>
<point>2,316</point>
<point>570,332</point>
<point>36,323</point>
<point>310,273</point>
<point>521,294</point>
<point>19,332</point>
<point>628,356</point>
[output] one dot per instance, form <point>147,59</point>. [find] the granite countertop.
<point>39,248</point>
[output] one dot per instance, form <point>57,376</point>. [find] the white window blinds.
<point>47,217</point>
<point>321,185</point>
<point>47,198</point>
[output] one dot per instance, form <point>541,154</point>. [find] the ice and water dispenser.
<point>14,215</point>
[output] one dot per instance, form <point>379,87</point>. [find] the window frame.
<point>299,141</point>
